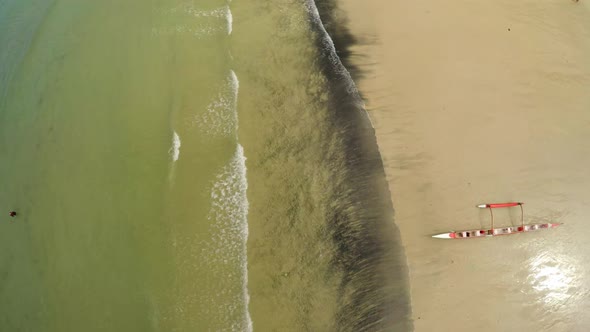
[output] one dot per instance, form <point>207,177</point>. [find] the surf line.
<point>328,43</point>
<point>229,210</point>
<point>241,158</point>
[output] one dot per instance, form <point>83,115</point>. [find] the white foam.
<point>235,86</point>
<point>200,28</point>
<point>229,217</point>
<point>221,117</point>
<point>230,19</point>
<point>189,9</point>
<point>175,149</point>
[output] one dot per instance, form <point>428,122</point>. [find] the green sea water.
<point>188,166</point>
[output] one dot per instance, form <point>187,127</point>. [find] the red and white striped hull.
<point>480,233</point>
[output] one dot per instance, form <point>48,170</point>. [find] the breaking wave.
<point>227,249</point>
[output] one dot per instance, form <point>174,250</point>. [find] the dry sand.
<point>478,101</point>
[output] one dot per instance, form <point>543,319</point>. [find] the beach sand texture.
<point>480,102</point>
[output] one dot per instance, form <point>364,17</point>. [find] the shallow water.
<point>180,165</point>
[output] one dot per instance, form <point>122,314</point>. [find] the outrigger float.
<point>479,233</point>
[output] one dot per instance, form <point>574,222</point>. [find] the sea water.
<point>187,165</point>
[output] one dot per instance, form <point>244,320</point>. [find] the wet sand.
<point>475,102</point>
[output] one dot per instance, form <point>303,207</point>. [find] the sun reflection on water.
<point>552,277</point>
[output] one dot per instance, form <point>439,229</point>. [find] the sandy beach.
<point>479,102</point>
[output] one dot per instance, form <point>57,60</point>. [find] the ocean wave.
<point>227,246</point>
<point>175,149</point>
<point>230,20</point>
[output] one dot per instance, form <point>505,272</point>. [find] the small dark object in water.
<point>12,214</point>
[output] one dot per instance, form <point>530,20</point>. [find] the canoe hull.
<point>481,233</point>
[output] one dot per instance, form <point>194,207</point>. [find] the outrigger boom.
<point>497,231</point>
<point>499,205</point>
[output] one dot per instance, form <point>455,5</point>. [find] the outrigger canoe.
<point>479,233</point>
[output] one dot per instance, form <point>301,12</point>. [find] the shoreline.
<point>374,289</point>
<point>468,100</point>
